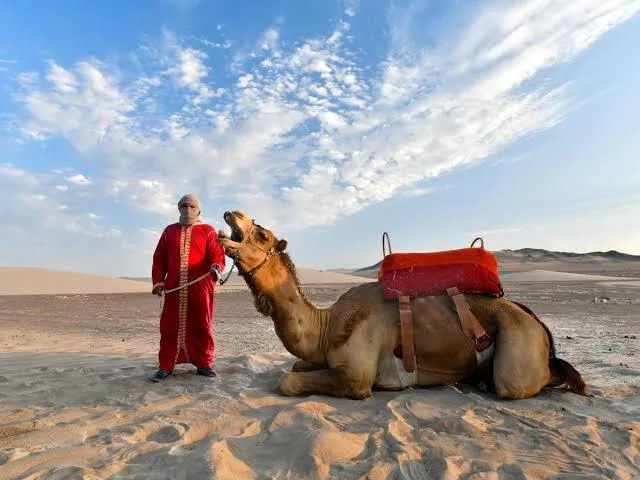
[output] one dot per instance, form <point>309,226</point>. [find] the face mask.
<point>189,215</point>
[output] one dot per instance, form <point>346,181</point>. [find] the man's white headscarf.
<point>189,216</point>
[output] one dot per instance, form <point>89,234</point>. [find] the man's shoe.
<point>160,375</point>
<point>207,372</point>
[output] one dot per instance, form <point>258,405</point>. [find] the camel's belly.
<point>391,374</point>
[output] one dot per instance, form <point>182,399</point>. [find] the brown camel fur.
<point>346,349</point>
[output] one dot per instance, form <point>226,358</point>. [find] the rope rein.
<point>164,292</point>
<point>225,280</point>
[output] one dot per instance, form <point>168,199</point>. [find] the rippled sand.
<point>75,401</point>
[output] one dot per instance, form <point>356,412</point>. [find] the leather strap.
<point>406,333</point>
<point>470,323</point>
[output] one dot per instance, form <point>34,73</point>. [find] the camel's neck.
<point>300,325</point>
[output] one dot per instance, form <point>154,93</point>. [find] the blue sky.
<point>328,121</point>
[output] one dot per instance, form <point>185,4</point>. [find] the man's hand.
<point>157,290</point>
<point>215,272</point>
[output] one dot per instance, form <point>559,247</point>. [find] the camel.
<point>347,350</point>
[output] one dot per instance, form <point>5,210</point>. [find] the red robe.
<point>183,254</point>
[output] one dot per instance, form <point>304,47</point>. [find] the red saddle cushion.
<point>472,270</point>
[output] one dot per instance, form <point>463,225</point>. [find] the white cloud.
<point>145,195</point>
<point>226,44</point>
<point>245,80</point>
<point>44,197</point>
<point>84,114</point>
<point>78,179</point>
<point>188,67</point>
<point>27,79</point>
<point>351,8</point>
<point>191,69</point>
<point>54,227</point>
<point>269,39</point>
<point>308,133</point>
<point>62,79</point>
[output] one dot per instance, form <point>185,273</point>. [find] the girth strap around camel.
<point>484,344</point>
<point>406,333</point>
<point>471,326</point>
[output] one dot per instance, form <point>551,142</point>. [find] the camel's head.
<point>249,244</point>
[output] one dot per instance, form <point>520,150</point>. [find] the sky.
<point>329,122</point>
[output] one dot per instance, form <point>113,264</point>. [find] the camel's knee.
<point>335,382</point>
<point>290,385</point>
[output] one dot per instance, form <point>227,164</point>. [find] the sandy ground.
<point>75,400</point>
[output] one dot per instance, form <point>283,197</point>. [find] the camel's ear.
<point>281,245</point>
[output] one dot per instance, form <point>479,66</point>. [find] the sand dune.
<point>308,276</point>
<point>551,276</point>
<point>41,281</point>
<point>38,281</point>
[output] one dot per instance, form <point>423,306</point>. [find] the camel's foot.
<point>360,395</point>
<point>482,380</point>
<point>302,366</point>
<point>322,382</point>
<point>483,386</point>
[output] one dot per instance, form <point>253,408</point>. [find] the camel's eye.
<point>262,236</point>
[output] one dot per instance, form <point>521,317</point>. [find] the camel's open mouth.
<point>232,243</point>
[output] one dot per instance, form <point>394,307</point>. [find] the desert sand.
<point>76,402</point>
<point>43,281</point>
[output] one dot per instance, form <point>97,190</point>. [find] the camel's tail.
<point>562,371</point>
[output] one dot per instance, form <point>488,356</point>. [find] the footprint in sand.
<point>168,434</point>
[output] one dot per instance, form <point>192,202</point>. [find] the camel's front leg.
<point>331,381</point>
<point>302,366</point>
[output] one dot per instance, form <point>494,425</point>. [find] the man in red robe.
<point>187,251</point>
